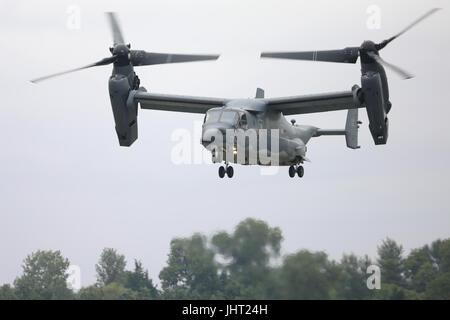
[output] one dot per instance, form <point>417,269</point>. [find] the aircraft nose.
<point>210,135</point>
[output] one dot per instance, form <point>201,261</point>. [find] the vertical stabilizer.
<point>259,93</point>
<point>351,129</point>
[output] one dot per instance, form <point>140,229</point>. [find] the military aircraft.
<point>284,141</point>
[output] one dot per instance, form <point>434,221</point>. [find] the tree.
<point>439,288</point>
<point>139,281</point>
<point>444,252</point>
<point>7,293</point>
<point>306,275</point>
<point>191,272</point>
<point>44,277</point>
<point>112,291</point>
<point>246,273</point>
<point>253,243</point>
<point>111,267</point>
<point>391,291</point>
<point>116,291</point>
<point>353,281</point>
<point>391,262</point>
<point>419,268</point>
<point>93,292</point>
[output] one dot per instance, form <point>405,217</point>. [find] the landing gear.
<point>221,172</point>
<point>292,171</point>
<point>299,170</point>
<point>228,170</point>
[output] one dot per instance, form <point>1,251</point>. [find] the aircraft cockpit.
<point>234,118</point>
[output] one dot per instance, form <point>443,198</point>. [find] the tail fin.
<point>351,129</point>
<point>259,93</point>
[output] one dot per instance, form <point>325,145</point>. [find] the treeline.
<point>244,264</point>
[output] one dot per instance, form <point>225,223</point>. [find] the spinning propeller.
<point>122,55</point>
<point>368,52</point>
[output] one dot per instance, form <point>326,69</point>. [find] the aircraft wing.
<point>166,102</point>
<point>313,103</point>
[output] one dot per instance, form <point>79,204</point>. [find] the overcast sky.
<point>66,184</point>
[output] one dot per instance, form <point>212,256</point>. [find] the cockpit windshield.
<point>230,117</point>
<point>212,116</point>
<point>226,116</point>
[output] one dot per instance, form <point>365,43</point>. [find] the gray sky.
<point>66,184</point>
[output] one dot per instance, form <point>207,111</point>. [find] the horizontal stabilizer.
<point>350,132</point>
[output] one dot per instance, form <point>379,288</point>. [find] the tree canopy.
<point>244,264</point>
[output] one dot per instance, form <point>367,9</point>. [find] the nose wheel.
<point>228,170</point>
<point>299,170</point>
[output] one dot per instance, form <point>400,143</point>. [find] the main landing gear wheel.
<point>227,170</point>
<point>221,172</point>
<point>292,171</point>
<point>300,171</point>
<point>230,172</point>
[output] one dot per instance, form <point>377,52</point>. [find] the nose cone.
<point>211,135</point>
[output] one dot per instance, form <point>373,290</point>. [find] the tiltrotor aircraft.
<point>258,115</point>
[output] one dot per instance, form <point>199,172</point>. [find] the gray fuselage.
<point>252,119</point>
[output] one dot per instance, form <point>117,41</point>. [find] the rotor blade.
<point>99,63</point>
<point>420,19</point>
<point>405,75</point>
<point>143,58</point>
<point>347,55</point>
<point>115,27</point>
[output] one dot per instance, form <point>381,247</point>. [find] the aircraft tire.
<point>221,172</point>
<point>291,171</point>
<point>300,171</point>
<point>230,172</point>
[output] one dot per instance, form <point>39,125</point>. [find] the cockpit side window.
<point>243,121</point>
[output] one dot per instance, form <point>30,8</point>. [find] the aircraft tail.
<point>350,132</point>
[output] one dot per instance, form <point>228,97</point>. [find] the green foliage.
<point>44,277</point>
<point>252,244</point>
<point>7,293</point>
<point>246,274</point>
<point>90,293</point>
<point>244,264</point>
<point>439,288</point>
<point>191,271</point>
<point>139,282</point>
<point>112,291</point>
<point>116,291</point>
<point>391,262</point>
<point>306,275</point>
<point>110,268</point>
<point>353,282</point>
<point>444,256</point>
<point>391,291</point>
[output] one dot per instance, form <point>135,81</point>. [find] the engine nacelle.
<point>124,109</point>
<point>373,99</point>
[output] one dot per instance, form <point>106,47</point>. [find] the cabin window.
<point>243,121</point>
